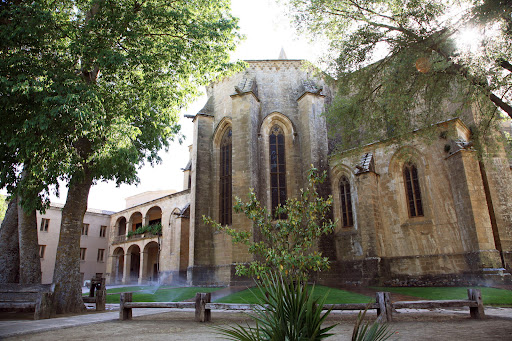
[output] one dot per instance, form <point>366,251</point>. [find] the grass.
<point>334,296</point>
<point>162,294</point>
<point>490,296</point>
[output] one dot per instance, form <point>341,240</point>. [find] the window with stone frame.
<point>412,190</point>
<point>103,231</point>
<point>42,249</point>
<point>85,229</point>
<point>101,253</point>
<point>45,224</point>
<point>346,203</point>
<point>82,253</point>
<point>277,169</point>
<point>225,190</point>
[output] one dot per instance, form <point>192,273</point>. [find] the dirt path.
<point>181,326</point>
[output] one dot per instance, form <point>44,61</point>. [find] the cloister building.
<point>408,213</point>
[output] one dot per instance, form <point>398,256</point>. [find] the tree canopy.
<point>400,64</point>
<point>100,83</point>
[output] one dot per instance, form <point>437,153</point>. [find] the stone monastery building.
<point>411,213</point>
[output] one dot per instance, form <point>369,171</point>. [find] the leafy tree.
<point>90,89</point>
<point>400,64</point>
<point>284,245</point>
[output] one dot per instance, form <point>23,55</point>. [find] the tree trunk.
<point>66,276</point>
<point>30,263</point>
<point>9,247</point>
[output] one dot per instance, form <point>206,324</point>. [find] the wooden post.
<point>476,296</point>
<point>125,313</point>
<point>203,314</point>
<point>101,299</point>
<point>384,310</point>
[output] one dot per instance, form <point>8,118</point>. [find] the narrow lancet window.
<point>277,169</point>
<point>412,191</point>
<point>346,203</point>
<point>225,179</point>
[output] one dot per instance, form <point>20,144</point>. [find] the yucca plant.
<point>370,332</point>
<point>286,311</point>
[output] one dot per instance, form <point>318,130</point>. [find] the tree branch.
<point>505,64</point>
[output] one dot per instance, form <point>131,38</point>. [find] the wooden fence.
<point>203,306</point>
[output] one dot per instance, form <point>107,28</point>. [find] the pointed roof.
<point>282,54</point>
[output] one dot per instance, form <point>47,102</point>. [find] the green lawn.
<point>334,296</point>
<point>490,296</point>
<point>163,294</point>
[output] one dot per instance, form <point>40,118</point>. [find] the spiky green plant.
<point>370,332</point>
<point>286,311</point>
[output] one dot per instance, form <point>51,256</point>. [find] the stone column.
<point>472,210</point>
<point>313,132</point>
<point>143,267</point>
<point>245,111</point>
<point>368,221</point>
<point>126,270</point>
<point>201,258</point>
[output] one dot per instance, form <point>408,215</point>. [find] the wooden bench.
<point>39,297</point>
<point>382,305</point>
<point>474,302</point>
<point>97,293</point>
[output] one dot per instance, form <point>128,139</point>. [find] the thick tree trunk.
<point>30,263</point>
<point>66,276</point>
<point>9,247</point>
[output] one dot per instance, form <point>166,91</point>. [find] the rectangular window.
<point>101,252</point>
<point>45,223</point>
<point>103,231</point>
<point>99,275</point>
<point>82,253</point>
<point>42,249</point>
<point>85,229</point>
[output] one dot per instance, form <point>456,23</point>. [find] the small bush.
<point>286,311</point>
<point>155,229</point>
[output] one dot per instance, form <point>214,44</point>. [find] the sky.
<point>267,30</point>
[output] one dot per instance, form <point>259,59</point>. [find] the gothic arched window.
<point>225,211</point>
<point>412,190</point>
<point>346,203</point>
<point>277,169</point>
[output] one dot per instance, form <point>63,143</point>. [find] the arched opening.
<point>118,264</point>
<point>151,265</point>
<point>154,216</point>
<point>135,221</point>
<point>121,226</point>
<point>134,257</point>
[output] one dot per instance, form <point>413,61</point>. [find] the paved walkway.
<point>20,327</point>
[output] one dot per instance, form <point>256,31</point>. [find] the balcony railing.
<point>123,238</point>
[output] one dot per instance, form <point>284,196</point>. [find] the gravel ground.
<point>181,326</point>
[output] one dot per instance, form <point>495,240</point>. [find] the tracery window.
<point>225,211</point>
<point>412,190</point>
<point>277,169</point>
<point>346,203</point>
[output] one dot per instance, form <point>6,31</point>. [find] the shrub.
<point>286,311</point>
<point>155,229</point>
